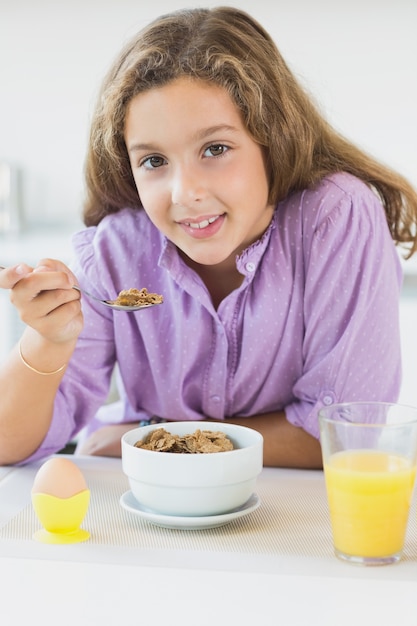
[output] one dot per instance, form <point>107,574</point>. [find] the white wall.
<point>358,57</point>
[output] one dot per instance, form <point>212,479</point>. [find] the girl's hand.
<point>106,441</point>
<point>45,299</point>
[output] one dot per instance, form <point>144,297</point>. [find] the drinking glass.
<point>369,459</point>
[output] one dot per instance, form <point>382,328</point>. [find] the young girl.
<point>214,181</point>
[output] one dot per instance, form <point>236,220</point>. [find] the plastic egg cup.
<point>61,518</point>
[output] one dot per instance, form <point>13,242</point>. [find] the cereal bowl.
<point>193,484</point>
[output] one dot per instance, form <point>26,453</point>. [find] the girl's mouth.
<point>206,227</point>
<point>203,223</point>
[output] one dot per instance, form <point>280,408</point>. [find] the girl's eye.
<point>215,150</point>
<point>152,162</point>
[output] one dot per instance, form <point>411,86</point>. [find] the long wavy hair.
<point>227,47</point>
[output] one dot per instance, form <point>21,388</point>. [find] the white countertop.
<point>276,566</point>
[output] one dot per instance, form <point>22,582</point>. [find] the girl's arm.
<point>51,309</point>
<point>285,445</point>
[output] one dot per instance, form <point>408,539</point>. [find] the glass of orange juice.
<point>369,459</point>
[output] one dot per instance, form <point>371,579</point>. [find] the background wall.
<point>357,57</point>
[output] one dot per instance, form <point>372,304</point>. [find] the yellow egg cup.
<point>61,518</point>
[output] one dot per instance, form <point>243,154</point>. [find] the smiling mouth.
<point>203,223</point>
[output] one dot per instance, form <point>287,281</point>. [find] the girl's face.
<point>201,177</point>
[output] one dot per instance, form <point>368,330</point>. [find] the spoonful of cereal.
<point>127,300</point>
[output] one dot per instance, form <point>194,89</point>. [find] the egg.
<point>59,477</point>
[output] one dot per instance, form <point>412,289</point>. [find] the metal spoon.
<point>111,303</point>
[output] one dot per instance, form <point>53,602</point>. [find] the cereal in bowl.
<point>199,442</point>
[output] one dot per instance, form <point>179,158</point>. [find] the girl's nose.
<point>187,187</point>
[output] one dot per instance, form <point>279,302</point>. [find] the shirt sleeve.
<point>351,345</point>
<point>86,383</point>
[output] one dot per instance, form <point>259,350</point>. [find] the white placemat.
<point>290,532</point>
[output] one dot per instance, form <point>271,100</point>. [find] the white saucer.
<point>129,502</point>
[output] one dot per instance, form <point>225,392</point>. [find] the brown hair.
<point>226,47</point>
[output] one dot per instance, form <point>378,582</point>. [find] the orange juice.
<point>369,494</point>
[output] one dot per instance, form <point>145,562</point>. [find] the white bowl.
<point>193,484</point>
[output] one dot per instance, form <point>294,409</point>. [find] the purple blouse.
<point>315,320</point>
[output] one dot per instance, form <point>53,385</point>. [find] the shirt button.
<point>327,400</point>
<point>215,398</point>
<point>250,267</point>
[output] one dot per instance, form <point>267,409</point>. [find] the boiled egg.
<point>59,477</point>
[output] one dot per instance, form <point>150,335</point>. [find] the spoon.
<point>114,305</point>
<point>111,303</point>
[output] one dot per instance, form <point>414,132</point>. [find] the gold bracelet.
<point>33,369</point>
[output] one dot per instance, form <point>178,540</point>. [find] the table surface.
<point>274,566</point>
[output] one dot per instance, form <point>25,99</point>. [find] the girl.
<point>213,180</point>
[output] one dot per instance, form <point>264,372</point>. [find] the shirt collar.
<point>248,260</point>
